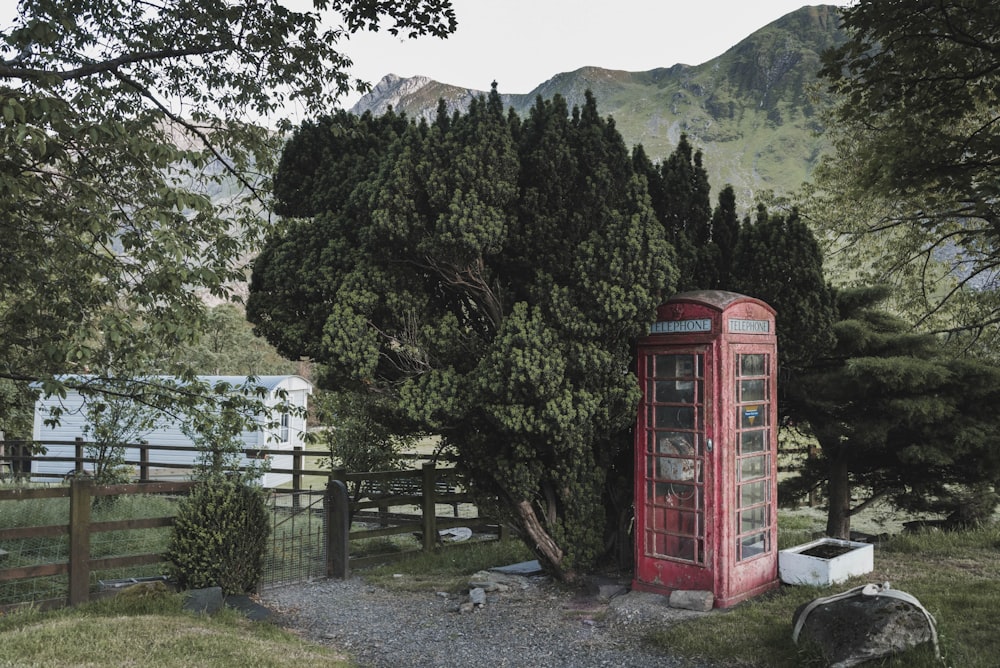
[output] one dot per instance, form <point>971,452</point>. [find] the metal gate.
<point>297,544</point>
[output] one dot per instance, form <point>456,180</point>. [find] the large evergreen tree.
<point>490,276</point>
<point>777,259</point>
<point>896,419</point>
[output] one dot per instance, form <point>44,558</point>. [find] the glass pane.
<point>752,441</point>
<point>754,415</point>
<point>675,366</point>
<point>752,390</point>
<point>675,443</point>
<point>750,546</point>
<point>650,366</point>
<point>675,468</point>
<point>752,365</point>
<point>674,417</point>
<point>753,493</point>
<point>685,494</point>
<point>753,467</point>
<point>753,519</point>
<point>675,391</point>
<point>677,547</point>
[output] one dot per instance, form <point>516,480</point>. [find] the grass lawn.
<point>151,629</point>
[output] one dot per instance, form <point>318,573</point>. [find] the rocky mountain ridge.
<point>754,110</point>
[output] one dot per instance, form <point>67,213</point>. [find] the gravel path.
<point>534,624</point>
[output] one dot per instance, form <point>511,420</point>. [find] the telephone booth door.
<point>706,448</point>
<point>677,470</point>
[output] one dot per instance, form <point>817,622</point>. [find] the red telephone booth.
<point>706,448</point>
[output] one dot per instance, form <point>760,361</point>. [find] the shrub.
<point>220,535</point>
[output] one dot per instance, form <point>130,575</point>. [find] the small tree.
<point>113,423</point>
<point>220,533</point>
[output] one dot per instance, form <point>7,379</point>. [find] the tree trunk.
<point>838,518</point>
<point>542,542</point>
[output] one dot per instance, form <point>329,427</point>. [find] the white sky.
<point>523,43</point>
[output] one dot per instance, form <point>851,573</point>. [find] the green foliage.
<point>17,409</point>
<point>778,260</point>
<point>897,418</point>
<point>218,439</point>
<point>135,162</point>
<point>487,276</point>
<point>112,424</point>
<point>916,135</point>
<point>220,535</point>
<point>229,347</point>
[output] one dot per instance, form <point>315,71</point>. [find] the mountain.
<point>753,111</point>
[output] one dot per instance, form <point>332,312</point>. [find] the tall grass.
<point>55,549</point>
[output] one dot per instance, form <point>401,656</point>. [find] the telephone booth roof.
<point>719,300</point>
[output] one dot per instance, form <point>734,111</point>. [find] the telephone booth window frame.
<point>675,456</point>
<point>754,471</point>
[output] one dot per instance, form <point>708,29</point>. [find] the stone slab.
<point>523,568</point>
<point>252,610</point>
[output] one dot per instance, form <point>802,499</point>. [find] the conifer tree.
<point>725,236</point>
<point>777,259</point>
<point>897,419</point>
<point>492,289</point>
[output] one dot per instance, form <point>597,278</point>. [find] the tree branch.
<point>10,71</point>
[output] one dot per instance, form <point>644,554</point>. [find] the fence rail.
<point>80,563</point>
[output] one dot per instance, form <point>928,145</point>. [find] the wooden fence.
<point>382,504</point>
<point>80,529</point>
<point>365,514</point>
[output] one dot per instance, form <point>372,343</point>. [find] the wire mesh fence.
<point>297,545</point>
<point>36,544</point>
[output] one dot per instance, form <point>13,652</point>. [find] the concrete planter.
<point>825,562</point>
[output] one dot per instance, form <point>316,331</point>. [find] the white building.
<point>285,431</point>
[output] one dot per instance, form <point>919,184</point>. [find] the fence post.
<point>78,467</point>
<point>338,528</point>
<point>428,506</point>
<point>296,474</point>
<point>79,540</point>
<point>143,461</point>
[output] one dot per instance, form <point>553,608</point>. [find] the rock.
<point>522,568</point>
<point>605,589</point>
<point>208,601</point>
<point>697,600</point>
<point>491,581</point>
<point>252,610</point>
<point>477,597</point>
<point>638,608</point>
<point>862,624</point>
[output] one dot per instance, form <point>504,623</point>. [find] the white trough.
<point>825,562</point>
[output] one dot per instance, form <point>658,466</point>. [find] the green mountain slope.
<point>752,110</point>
